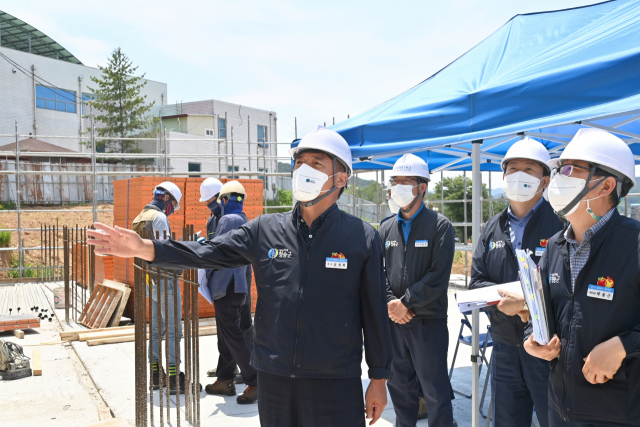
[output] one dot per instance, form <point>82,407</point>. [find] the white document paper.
<point>484,297</point>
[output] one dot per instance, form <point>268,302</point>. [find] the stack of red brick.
<point>130,197</point>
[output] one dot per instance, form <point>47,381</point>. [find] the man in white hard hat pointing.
<point>518,381</point>
<point>320,287</point>
<point>590,274</point>
<point>419,248</point>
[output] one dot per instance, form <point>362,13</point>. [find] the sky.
<point>310,60</point>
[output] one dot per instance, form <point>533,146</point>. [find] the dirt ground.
<point>9,220</point>
<point>458,263</point>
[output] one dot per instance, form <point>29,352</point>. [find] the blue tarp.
<point>536,73</point>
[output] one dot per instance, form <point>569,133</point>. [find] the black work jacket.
<point>418,272</point>
<point>582,322</point>
<point>495,263</point>
<point>310,319</point>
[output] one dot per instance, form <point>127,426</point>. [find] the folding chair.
<point>485,342</point>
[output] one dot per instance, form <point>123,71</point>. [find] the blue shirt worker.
<point>228,288</point>
<point>519,381</point>
<point>590,276</point>
<point>153,218</point>
<point>321,290</point>
<point>419,248</point>
<point>210,195</point>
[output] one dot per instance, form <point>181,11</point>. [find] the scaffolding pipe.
<point>476,215</point>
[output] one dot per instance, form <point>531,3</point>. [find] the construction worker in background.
<point>394,208</point>
<point>590,281</point>
<point>153,218</point>
<point>228,288</point>
<point>320,291</point>
<point>518,381</point>
<point>209,194</point>
<point>419,249</point>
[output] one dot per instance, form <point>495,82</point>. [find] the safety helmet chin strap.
<point>562,213</point>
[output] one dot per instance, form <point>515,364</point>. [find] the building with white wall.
<point>42,86</point>
<point>242,136</point>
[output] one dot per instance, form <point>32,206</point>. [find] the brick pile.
<point>130,197</point>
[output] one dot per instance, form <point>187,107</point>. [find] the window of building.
<point>209,132</point>
<point>194,167</point>
<point>262,136</point>
<point>222,129</point>
<point>85,98</point>
<point>50,98</point>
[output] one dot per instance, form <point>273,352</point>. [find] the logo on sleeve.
<point>496,245</point>
<point>279,253</point>
<point>390,244</point>
<point>554,278</point>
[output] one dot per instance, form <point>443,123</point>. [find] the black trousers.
<point>309,402</point>
<point>420,349</point>
<point>556,421</point>
<point>235,349</point>
<point>246,323</point>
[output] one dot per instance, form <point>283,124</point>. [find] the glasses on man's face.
<point>567,170</point>
<point>403,181</point>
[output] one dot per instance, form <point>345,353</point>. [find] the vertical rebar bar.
<point>166,334</point>
<point>186,305</point>
<point>147,286</point>
<point>158,286</point>
<point>176,354</point>
<point>66,273</point>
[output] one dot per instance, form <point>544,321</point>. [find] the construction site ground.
<point>80,385</point>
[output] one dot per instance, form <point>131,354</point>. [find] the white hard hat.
<point>329,141</point>
<point>411,165</point>
<point>527,148</point>
<point>173,189</point>
<point>603,149</point>
<point>232,187</point>
<point>209,188</point>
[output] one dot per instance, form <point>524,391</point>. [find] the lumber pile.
<point>122,334</point>
<point>106,305</point>
<point>131,195</point>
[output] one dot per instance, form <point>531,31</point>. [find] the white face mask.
<point>307,183</point>
<point>403,194</point>
<point>520,186</point>
<point>393,206</point>
<point>563,189</point>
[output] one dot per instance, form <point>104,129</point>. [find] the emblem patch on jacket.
<point>279,253</point>
<point>554,278</point>
<point>496,245</point>
<point>603,289</point>
<point>390,244</point>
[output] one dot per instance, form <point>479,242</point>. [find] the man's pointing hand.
<point>120,242</point>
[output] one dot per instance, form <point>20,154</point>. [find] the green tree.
<point>119,108</point>
<point>454,189</point>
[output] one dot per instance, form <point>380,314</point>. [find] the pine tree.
<point>119,108</point>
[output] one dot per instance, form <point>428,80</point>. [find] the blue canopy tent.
<point>544,75</point>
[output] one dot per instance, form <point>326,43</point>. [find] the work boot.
<point>222,388</point>
<point>155,375</point>
<point>172,384</point>
<point>250,395</point>
<point>214,372</point>
<point>422,409</point>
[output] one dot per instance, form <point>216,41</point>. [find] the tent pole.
<point>476,212</point>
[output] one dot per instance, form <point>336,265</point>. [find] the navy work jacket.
<point>313,307</point>
<point>418,272</point>
<point>495,263</point>
<point>582,322</point>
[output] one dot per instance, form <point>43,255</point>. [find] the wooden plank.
<point>106,316</point>
<point>203,331</point>
<point>73,335</point>
<point>89,303</point>
<point>122,304</point>
<point>90,309</point>
<point>18,333</point>
<point>36,362</point>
